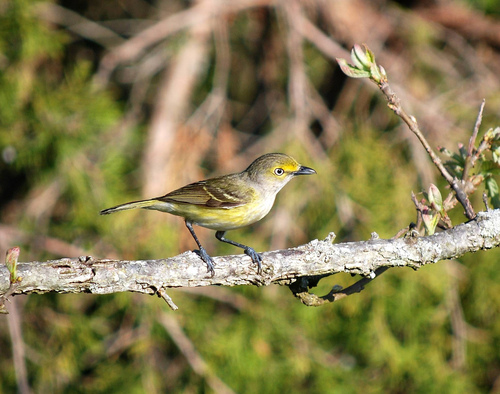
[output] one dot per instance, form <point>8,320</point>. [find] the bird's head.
<point>274,170</point>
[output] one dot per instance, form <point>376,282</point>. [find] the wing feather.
<point>213,193</point>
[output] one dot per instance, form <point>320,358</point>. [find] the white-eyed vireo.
<point>227,202</point>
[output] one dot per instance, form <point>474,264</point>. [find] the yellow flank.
<point>222,219</point>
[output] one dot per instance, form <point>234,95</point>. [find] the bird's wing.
<point>214,193</point>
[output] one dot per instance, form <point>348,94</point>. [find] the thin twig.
<point>403,231</point>
<point>163,294</point>
<point>485,201</point>
<point>471,159</point>
<point>395,104</point>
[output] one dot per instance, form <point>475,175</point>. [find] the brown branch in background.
<point>330,125</point>
<point>325,44</point>
<point>79,25</point>
<point>152,63</point>
<point>220,294</point>
<point>297,78</point>
<point>135,46</point>
<point>197,15</point>
<point>172,103</point>
<point>457,320</point>
<point>188,349</point>
<point>300,88</point>
<point>210,113</point>
<point>10,235</point>
<point>18,347</point>
<point>126,336</point>
<point>465,20</point>
<point>485,143</point>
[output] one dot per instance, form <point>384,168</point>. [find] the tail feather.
<point>129,205</point>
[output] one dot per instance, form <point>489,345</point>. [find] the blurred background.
<point>107,102</point>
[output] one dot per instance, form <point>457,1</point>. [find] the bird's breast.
<point>224,219</point>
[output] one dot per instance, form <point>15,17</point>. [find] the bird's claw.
<point>207,260</point>
<point>256,258</point>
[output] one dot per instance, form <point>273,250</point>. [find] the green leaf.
<point>430,219</point>
<point>360,58</point>
<point>493,192</point>
<point>352,71</point>
<point>11,263</point>
<point>363,66</point>
<point>369,54</point>
<point>489,167</point>
<point>435,198</point>
<point>375,73</point>
<point>496,154</point>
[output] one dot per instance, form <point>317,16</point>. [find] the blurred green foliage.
<point>66,153</point>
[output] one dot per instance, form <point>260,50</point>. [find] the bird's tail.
<point>129,205</point>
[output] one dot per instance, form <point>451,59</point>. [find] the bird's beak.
<point>304,171</point>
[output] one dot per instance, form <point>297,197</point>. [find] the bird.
<point>227,202</point>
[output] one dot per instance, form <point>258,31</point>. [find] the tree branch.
<point>316,258</point>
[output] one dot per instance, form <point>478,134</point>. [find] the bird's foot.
<point>256,258</point>
<point>207,259</point>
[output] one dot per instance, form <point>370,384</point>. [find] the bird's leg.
<point>248,250</point>
<point>203,253</point>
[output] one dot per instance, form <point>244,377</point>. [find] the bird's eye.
<point>279,171</point>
